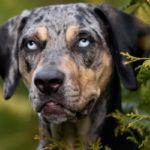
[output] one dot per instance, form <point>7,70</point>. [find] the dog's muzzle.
<point>49,82</point>
<point>52,104</point>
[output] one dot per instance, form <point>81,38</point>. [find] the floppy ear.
<point>124,32</point>
<point>9,34</point>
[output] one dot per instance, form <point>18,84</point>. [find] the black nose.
<point>48,80</point>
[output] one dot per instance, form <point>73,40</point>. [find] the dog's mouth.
<point>53,108</point>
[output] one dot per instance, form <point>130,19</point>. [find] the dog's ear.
<point>124,32</point>
<point>9,33</point>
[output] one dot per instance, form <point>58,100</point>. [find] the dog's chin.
<point>53,118</point>
<point>55,113</point>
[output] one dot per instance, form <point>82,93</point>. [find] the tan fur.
<point>90,82</point>
<point>41,33</point>
<point>95,81</point>
<point>71,32</point>
<point>27,77</point>
<point>105,70</point>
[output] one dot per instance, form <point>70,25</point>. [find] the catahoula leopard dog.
<point>69,58</point>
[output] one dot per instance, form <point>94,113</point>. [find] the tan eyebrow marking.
<point>71,32</point>
<point>41,33</point>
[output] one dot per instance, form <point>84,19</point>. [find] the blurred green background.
<point>18,123</point>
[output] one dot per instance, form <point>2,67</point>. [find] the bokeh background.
<point>18,122</point>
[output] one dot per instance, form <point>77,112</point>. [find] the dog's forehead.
<point>61,16</point>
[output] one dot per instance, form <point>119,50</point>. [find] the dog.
<point>69,58</point>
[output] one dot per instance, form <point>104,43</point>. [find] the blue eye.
<point>83,43</point>
<point>31,45</point>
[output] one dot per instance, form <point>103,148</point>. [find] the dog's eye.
<point>84,43</point>
<point>31,45</point>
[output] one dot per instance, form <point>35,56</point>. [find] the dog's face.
<point>64,60</point>
<point>64,54</point>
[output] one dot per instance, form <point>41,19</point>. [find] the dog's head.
<point>66,55</point>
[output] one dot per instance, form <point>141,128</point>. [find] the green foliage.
<point>140,8</point>
<point>144,69</point>
<point>137,121</point>
<point>135,124</point>
<point>132,59</point>
<point>96,146</point>
<point>79,144</point>
<point>144,73</point>
<point>54,144</point>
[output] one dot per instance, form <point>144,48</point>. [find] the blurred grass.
<point>9,8</point>
<point>18,123</point>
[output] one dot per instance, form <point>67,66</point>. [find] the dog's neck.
<point>71,132</point>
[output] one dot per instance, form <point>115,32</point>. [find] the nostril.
<point>54,84</point>
<point>39,84</point>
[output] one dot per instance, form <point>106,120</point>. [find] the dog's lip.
<point>52,107</point>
